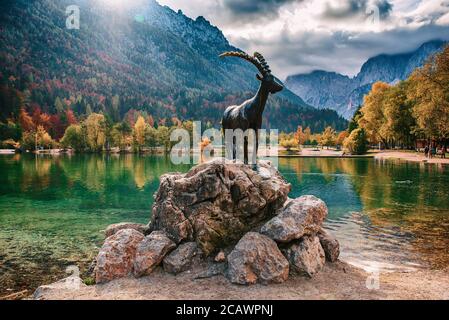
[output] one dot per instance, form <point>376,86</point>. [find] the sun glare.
<point>116,3</point>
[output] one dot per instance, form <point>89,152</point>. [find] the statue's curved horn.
<point>248,58</point>
<point>262,61</point>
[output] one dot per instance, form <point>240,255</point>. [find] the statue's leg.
<point>245,150</point>
<point>234,149</point>
<point>254,162</point>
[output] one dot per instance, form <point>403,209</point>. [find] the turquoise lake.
<point>387,215</point>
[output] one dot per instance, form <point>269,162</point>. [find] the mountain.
<point>338,92</point>
<point>139,57</point>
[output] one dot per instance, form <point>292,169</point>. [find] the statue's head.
<point>264,74</point>
<point>270,81</point>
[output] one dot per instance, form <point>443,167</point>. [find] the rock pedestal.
<point>216,203</point>
<point>116,257</point>
<point>306,256</point>
<point>224,213</point>
<point>151,251</point>
<point>257,258</point>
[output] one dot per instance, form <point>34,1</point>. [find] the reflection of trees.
<point>34,171</point>
<point>408,200</point>
<point>326,166</point>
<point>114,181</point>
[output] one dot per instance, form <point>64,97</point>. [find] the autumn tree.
<point>429,90</point>
<point>95,128</point>
<point>399,120</point>
<point>373,117</point>
<point>25,120</point>
<point>289,143</point>
<point>341,138</point>
<point>307,134</point>
<point>328,137</point>
<point>43,139</point>
<point>139,132</point>
<point>301,136</point>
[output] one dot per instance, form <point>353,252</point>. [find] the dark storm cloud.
<point>343,52</point>
<point>255,7</point>
<point>356,8</point>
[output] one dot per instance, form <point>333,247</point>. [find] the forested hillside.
<point>140,60</point>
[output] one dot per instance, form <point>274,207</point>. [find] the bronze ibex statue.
<point>248,115</point>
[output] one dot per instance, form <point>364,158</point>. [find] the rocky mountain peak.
<point>323,89</point>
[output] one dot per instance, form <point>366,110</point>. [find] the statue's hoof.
<point>255,167</point>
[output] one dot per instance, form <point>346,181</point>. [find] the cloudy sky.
<point>299,36</point>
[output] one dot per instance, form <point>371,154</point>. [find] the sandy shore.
<point>335,281</point>
<point>410,156</point>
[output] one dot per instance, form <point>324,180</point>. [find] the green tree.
<point>121,135</point>
<point>163,137</point>
<point>151,136</point>
<point>357,142</point>
<point>354,123</point>
<point>74,137</point>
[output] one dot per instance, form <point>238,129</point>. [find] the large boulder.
<point>114,228</point>
<point>299,217</point>
<point>330,245</point>
<point>182,258</point>
<point>216,203</point>
<point>151,251</point>
<point>116,256</point>
<point>257,258</point>
<point>306,256</point>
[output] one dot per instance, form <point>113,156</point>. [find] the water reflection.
<point>391,215</point>
<point>387,214</point>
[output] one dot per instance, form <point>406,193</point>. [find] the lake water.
<point>387,215</point>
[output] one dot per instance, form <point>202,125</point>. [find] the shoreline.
<point>410,157</point>
<point>336,281</point>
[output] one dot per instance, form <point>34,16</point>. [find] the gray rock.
<point>114,228</point>
<point>116,256</point>
<point>330,245</point>
<point>256,258</point>
<point>306,256</point>
<point>72,283</point>
<point>215,269</point>
<point>182,258</point>
<point>216,203</point>
<point>299,217</point>
<point>151,251</point>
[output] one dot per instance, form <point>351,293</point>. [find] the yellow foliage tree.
<point>373,118</point>
<point>328,137</point>
<point>429,89</point>
<point>95,128</point>
<point>301,136</point>
<point>139,132</point>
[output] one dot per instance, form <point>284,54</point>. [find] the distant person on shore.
<point>426,151</point>
<point>443,152</point>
